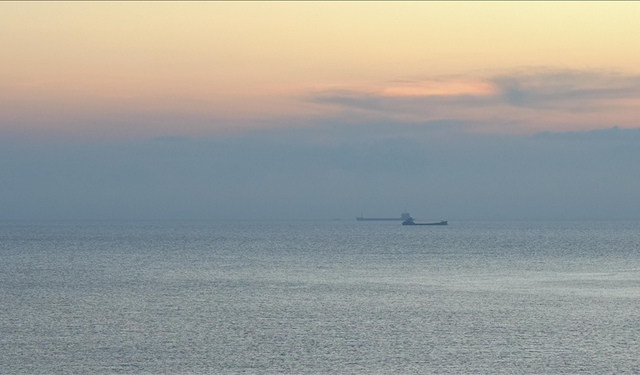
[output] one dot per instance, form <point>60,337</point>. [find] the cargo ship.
<point>402,217</point>
<point>410,221</point>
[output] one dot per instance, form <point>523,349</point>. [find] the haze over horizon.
<point>300,111</point>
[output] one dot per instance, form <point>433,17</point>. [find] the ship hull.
<point>412,223</point>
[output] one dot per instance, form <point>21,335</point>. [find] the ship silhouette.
<point>403,217</point>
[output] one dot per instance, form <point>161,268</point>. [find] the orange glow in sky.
<point>442,88</point>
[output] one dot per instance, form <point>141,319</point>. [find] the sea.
<point>320,297</point>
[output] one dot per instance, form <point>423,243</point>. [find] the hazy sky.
<point>470,110</point>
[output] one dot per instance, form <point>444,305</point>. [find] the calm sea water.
<point>320,298</point>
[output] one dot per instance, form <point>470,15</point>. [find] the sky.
<point>319,110</point>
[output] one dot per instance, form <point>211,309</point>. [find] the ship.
<point>410,221</point>
<point>403,217</point>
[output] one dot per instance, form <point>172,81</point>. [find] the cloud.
<point>614,134</point>
<point>516,102</point>
<point>566,90</point>
<point>527,100</point>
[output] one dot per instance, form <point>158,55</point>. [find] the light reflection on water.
<point>325,297</point>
